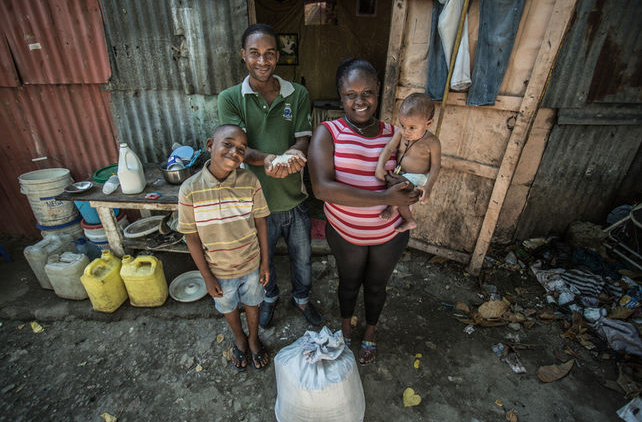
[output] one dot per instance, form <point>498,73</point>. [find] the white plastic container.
<point>130,171</point>
<point>41,188</point>
<point>38,254</point>
<point>64,273</point>
<point>96,232</point>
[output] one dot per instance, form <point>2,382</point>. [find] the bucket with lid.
<point>41,188</point>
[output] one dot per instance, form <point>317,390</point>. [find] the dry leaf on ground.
<point>511,415</point>
<point>554,372</point>
<point>492,309</point>
<point>410,398</point>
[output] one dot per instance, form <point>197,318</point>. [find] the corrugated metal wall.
<point>169,60</point>
<point>57,58</point>
<point>591,161</point>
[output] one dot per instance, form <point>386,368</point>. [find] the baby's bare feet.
<point>387,213</point>
<point>406,225</point>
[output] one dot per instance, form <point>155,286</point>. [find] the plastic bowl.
<point>175,177</point>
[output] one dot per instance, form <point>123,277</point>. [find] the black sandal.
<point>240,357</point>
<point>258,357</point>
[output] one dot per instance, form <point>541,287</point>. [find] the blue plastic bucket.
<point>89,213</point>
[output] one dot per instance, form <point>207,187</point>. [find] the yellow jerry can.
<point>144,280</point>
<point>102,281</point>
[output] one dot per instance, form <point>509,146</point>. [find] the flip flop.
<point>240,357</point>
<point>258,357</point>
<point>368,352</point>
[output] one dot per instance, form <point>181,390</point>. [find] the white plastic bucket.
<point>71,228</point>
<point>41,188</point>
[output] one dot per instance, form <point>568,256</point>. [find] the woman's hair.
<point>259,28</point>
<point>348,65</point>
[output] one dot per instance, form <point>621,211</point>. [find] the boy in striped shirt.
<point>221,211</point>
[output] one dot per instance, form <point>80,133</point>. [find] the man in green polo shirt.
<point>276,117</point>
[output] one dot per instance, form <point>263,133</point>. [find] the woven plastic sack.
<point>318,381</point>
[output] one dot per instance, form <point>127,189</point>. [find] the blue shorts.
<point>246,290</point>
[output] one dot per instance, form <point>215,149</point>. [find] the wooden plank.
<point>251,12</point>
<point>150,205</point>
<point>502,102</point>
<point>439,250</point>
<point>397,25</point>
<point>470,167</point>
<point>562,13</point>
<point>112,231</point>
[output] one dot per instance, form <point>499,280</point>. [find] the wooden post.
<point>562,13</point>
<point>112,231</point>
<point>251,12</point>
<point>395,41</point>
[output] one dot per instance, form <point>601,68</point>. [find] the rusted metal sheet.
<point>184,45</point>
<point>151,121</point>
<point>56,41</point>
<point>70,125</point>
<point>601,59</point>
<point>579,177</point>
<point>8,74</point>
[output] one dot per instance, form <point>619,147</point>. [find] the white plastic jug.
<point>130,171</point>
<point>64,273</point>
<point>38,254</point>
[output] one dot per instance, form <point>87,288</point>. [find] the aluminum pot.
<point>175,177</point>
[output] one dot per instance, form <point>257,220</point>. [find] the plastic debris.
<point>554,372</point>
<point>513,361</point>
<point>499,403</point>
<point>37,328</point>
<point>499,349</point>
<point>82,363</point>
<point>511,258</point>
<point>632,411</point>
<point>469,329</point>
<point>410,398</point>
<point>622,336</point>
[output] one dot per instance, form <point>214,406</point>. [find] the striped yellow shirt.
<point>223,213</point>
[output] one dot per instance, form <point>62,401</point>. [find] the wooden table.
<point>104,204</point>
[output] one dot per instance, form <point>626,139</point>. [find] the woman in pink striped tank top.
<point>343,156</point>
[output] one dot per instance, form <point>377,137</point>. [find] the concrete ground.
<point>168,363</point>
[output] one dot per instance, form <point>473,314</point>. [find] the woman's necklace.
<point>361,130</point>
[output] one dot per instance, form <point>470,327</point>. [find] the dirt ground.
<point>165,364</point>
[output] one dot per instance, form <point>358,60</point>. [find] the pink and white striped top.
<point>355,161</point>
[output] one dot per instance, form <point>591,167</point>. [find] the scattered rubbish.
<point>469,329</point>
<point>416,364</point>
<point>515,326</point>
<point>632,411</point>
<point>554,372</point>
<point>511,416</point>
<point>511,258</point>
<point>499,349</point>
<point>220,338</point>
<point>457,380</point>
<point>621,335</point>
<point>499,403</point>
<point>21,326</point>
<point>593,314</point>
<point>513,361</point>
<point>419,355</point>
<point>410,398</point>
<point>82,363</point>
<point>492,309</point>
<point>37,328</point>
<point>534,243</point>
<point>353,321</point>
<point>461,306</point>
<point>227,354</point>
<point>198,368</point>
<point>447,305</point>
<point>109,418</point>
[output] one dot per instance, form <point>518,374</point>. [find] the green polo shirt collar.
<point>286,86</point>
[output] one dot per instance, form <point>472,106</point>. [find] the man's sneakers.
<point>310,314</point>
<point>266,312</point>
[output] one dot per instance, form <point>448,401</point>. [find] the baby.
<point>418,156</point>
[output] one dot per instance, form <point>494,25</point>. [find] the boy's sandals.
<point>368,352</point>
<point>258,357</point>
<point>239,358</point>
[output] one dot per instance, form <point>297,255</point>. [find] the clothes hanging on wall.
<point>498,24</point>
<point>445,22</point>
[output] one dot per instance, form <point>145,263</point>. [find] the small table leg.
<point>110,225</point>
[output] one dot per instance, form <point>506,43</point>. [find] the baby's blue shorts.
<point>245,289</point>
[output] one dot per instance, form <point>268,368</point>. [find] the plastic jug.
<point>145,280</point>
<point>38,254</point>
<point>64,273</point>
<point>130,171</point>
<point>103,284</point>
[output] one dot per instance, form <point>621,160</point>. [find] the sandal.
<point>368,352</point>
<point>258,357</point>
<point>240,358</point>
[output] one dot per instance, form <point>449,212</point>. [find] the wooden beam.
<point>112,230</point>
<point>439,250</point>
<point>560,18</point>
<point>502,102</point>
<point>135,205</point>
<point>470,167</point>
<point>395,42</point>
<point>251,12</point>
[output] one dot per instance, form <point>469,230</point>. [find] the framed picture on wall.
<point>288,49</point>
